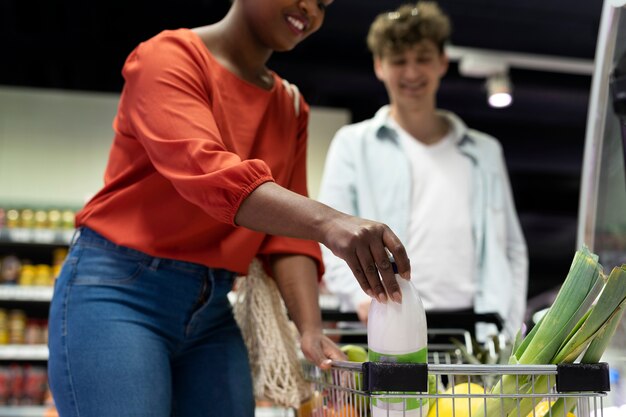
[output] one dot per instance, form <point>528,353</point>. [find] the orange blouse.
<point>192,141</point>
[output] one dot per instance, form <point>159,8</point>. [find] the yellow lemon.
<point>542,409</point>
<point>458,407</point>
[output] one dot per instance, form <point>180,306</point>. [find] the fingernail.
<point>397,297</point>
<point>406,275</point>
<point>382,297</point>
<point>370,293</point>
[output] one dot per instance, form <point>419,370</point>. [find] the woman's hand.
<point>296,276</point>
<point>363,244</point>
<point>319,349</point>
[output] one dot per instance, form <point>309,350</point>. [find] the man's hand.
<point>362,310</point>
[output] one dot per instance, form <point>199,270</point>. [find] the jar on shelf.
<point>34,390</point>
<point>16,384</point>
<point>58,256</point>
<point>41,219</point>
<point>42,275</point>
<point>56,270</point>
<point>32,332</point>
<point>12,218</point>
<point>27,218</point>
<point>27,275</point>
<point>10,270</point>
<point>17,325</point>
<point>67,219</point>
<point>44,331</point>
<point>54,219</point>
<point>5,383</point>
<point>4,327</point>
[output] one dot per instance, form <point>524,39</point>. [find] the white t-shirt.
<point>440,243</point>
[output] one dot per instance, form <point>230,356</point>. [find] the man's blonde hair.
<point>395,31</point>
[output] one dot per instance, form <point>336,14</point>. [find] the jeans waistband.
<point>89,237</point>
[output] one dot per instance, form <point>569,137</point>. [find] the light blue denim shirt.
<point>368,174</point>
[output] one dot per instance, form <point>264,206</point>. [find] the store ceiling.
<point>81,45</point>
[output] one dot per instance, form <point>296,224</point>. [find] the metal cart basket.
<point>443,328</point>
<point>371,389</point>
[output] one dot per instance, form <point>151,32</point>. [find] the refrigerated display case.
<point>602,223</point>
<point>602,211</point>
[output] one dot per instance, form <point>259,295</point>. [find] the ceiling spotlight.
<point>499,90</point>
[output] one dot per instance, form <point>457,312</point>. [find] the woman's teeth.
<point>295,22</point>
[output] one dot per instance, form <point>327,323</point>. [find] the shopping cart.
<point>371,389</point>
<point>449,386</point>
<point>451,335</point>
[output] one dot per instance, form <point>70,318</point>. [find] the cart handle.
<point>435,319</point>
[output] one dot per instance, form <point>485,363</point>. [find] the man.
<point>442,187</point>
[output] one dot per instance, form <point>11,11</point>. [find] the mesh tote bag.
<point>271,339</point>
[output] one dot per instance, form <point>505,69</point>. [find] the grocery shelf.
<point>24,352</point>
<point>22,411</point>
<point>36,236</point>
<point>25,293</point>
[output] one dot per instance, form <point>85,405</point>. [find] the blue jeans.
<point>134,335</point>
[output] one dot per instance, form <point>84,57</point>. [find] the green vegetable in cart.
<point>355,353</point>
<point>580,322</point>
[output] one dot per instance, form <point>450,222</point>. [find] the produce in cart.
<point>581,321</point>
<point>543,409</point>
<point>577,328</point>
<point>456,406</point>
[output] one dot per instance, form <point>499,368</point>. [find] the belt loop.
<point>154,264</point>
<point>75,237</point>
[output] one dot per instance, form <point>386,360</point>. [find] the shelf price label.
<point>25,293</point>
<point>37,236</point>
<point>20,235</point>
<point>45,236</point>
<point>23,352</point>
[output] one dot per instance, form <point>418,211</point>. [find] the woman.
<point>206,172</point>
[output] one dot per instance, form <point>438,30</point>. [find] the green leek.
<point>581,320</point>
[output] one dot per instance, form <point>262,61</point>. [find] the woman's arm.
<point>296,276</point>
<point>361,243</point>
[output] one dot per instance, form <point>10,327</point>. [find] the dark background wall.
<point>81,45</point>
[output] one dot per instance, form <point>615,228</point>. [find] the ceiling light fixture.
<point>476,60</point>
<point>499,90</point>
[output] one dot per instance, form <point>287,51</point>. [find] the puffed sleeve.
<point>166,105</point>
